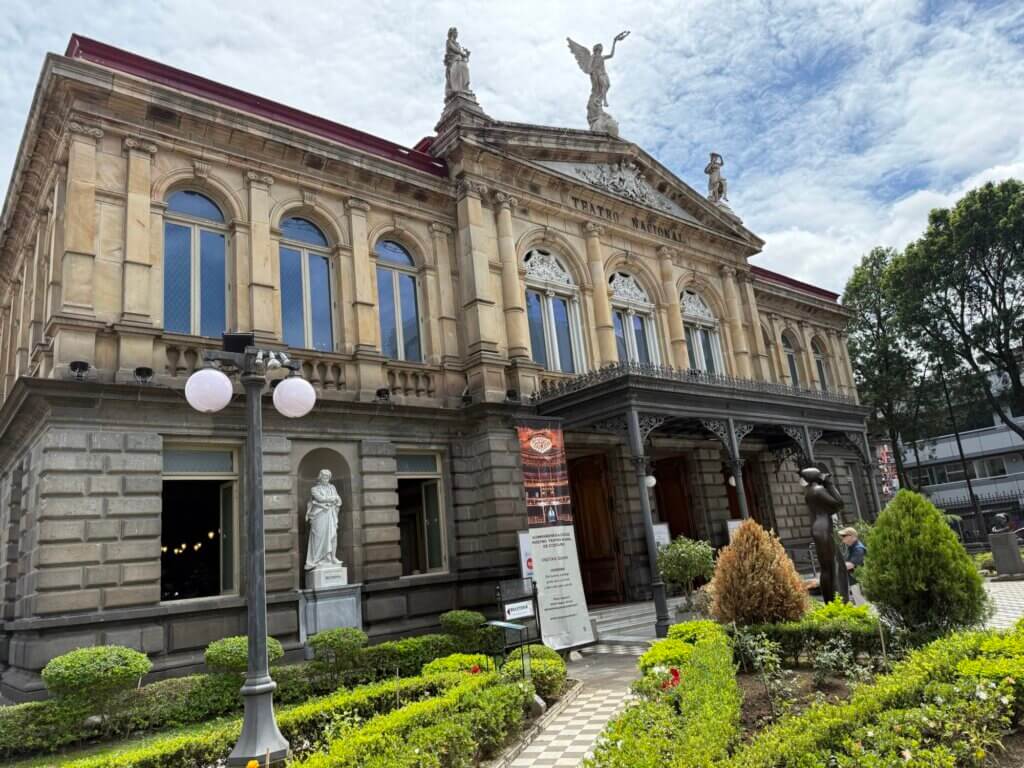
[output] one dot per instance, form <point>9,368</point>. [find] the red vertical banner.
<point>545,476</point>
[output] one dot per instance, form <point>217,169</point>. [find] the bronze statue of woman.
<point>823,500</point>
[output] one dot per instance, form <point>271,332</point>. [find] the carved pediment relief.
<point>623,179</point>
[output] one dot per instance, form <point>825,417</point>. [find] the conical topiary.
<point>755,581</point>
<point>917,572</point>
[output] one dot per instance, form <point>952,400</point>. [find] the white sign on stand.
<point>564,619</point>
<point>662,535</point>
<point>525,555</point>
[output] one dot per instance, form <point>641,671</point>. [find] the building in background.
<point>435,296</point>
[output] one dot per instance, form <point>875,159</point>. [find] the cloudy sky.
<point>842,122</point>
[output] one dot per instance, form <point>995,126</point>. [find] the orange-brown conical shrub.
<point>755,581</point>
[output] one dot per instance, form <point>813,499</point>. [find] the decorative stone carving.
<point>255,177</point>
<point>308,196</point>
<point>201,168</point>
<point>355,204</point>
<point>625,179</point>
<point>456,66</point>
<point>592,63</point>
<point>322,516</point>
<point>464,187</point>
<point>440,229</point>
<point>695,308</point>
<point>626,288</point>
<point>503,200</point>
<point>593,230</point>
<point>717,185</point>
<point>544,267</point>
<point>139,145</point>
<point>85,130</point>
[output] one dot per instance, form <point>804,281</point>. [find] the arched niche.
<point>309,470</point>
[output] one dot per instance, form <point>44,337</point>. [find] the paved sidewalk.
<point>1008,597</point>
<point>606,672</point>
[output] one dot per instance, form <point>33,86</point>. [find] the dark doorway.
<point>596,542</point>
<point>673,495</point>
<point>419,524</point>
<point>753,479</point>
<point>196,539</point>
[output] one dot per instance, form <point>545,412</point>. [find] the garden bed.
<point>758,710</point>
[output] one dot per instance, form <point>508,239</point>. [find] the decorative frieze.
<point>85,130</point>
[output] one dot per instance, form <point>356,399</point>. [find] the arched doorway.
<point>309,470</point>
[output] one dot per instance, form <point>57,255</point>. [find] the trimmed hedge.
<point>665,654</point>
<point>536,651</point>
<point>693,631</point>
<point>547,675</point>
<point>230,655</point>
<point>459,662</point>
<point>304,726</point>
<point>405,657</point>
<point>99,671</point>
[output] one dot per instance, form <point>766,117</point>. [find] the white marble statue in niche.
<point>322,516</point>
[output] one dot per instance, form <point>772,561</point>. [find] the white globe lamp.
<point>650,481</point>
<point>294,397</point>
<point>208,390</point>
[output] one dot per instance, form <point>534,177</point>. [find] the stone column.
<point>79,257</point>
<point>813,382</point>
<point>432,300</point>
<point>739,340</point>
<point>844,351</point>
<point>262,280</point>
<point>56,245</point>
<point>367,322</point>
<point>40,257</point>
<point>10,335</point>
<point>780,353</point>
<point>762,368</point>
<point>607,350</point>
<point>24,312</point>
<point>446,288</point>
<point>842,380</point>
<point>512,292</point>
<point>677,334</point>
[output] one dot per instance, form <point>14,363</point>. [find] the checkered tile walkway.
<point>606,672</point>
<point>1008,598</point>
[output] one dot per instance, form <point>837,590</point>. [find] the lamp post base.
<point>260,739</point>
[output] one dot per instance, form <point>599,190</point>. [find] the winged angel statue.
<point>592,63</point>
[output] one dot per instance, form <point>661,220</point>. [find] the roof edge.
<point>791,282</point>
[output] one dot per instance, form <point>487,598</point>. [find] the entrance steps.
<point>628,622</point>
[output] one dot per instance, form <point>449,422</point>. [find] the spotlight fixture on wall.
<point>79,368</point>
<point>383,395</point>
<point>143,374</point>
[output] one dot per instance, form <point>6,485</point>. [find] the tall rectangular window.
<point>421,514</point>
<point>320,302</point>
<point>177,278</point>
<point>293,324</point>
<point>386,308</point>
<point>535,318</point>
<point>708,350</point>
<point>410,317</point>
<point>619,320</point>
<point>691,348</point>
<point>212,284</point>
<point>643,352</point>
<point>563,334</point>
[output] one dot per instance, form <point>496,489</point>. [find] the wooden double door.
<point>596,541</point>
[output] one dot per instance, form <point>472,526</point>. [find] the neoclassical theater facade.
<point>435,297</point>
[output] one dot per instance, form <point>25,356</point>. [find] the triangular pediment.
<point>610,166</point>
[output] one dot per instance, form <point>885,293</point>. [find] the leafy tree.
<point>917,572</point>
<point>682,561</point>
<point>959,290</point>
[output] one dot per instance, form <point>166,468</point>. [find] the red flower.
<point>672,681</point>
<point>475,669</point>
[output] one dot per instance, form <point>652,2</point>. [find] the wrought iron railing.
<point>684,376</point>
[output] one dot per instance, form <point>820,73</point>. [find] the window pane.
<point>303,231</point>
<point>227,538</point>
<point>212,279</point>
<point>535,317</point>
<point>320,303</point>
<point>194,204</point>
<point>293,326</point>
<point>411,463</point>
<point>793,375</point>
<point>386,308</point>
<point>620,337</point>
<point>640,334</point>
<point>177,278</point>
<point>189,462</point>
<point>393,252</point>
<point>821,373</point>
<point>432,526</point>
<point>563,332</point>
<point>691,348</point>
<point>708,349</point>
<point>410,317</point>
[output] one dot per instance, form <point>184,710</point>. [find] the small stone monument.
<point>323,568</point>
<point>1006,554</point>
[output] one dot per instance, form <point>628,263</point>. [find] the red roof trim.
<point>775,277</point>
<point>132,64</point>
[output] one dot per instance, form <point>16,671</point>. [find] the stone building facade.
<point>434,297</point>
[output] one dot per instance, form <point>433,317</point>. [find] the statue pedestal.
<point>329,608</point>
<point>1006,554</point>
<point>327,577</point>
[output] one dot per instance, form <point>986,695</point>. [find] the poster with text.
<point>564,619</point>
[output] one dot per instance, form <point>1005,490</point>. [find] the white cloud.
<point>842,123</point>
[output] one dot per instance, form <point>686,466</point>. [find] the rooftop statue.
<point>717,186</point>
<point>456,66</point>
<point>592,63</point>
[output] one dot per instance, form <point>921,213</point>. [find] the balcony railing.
<point>557,388</point>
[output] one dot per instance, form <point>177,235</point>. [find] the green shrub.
<point>695,631</point>
<point>665,654</point>
<point>338,651</point>
<point>917,572</point>
<point>682,561</point>
<point>97,672</point>
<point>42,726</point>
<point>459,662</point>
<point>230,655</point>
<point>547,675</point>
<point>536,651</point>
<point>496,712</point>
<point>462,625</point>
<point>405,657</point>
<point>840,611</point>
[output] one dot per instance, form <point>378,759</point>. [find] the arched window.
<point>633,318</point>
<point>397,302</point>
<point>195,265</point>
<point>703,344</point>
<point>821,363</point>
<point>790,352</point>
<point>553,313</point>
<point>305,286</point>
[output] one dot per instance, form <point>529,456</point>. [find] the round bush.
<point>339,649</point>
<point>458,662</point>
<point>755,581</point>
<point>694,631</point>
<point>917,572</point>
<point>547,675</point>
<point>665,654</point>
<point>682,561</point>
<point>536,651</point>
<point>95,672</point>
<point>231,654</point>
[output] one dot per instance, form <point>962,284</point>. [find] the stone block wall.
<point>382,554</point>
<point>714,498</point>
<point>280,521</point>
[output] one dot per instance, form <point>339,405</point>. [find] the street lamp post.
<point>210,390</point>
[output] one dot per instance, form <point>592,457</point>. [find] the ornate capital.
<point>139,145</point>
<point>592,229</point>
<point>470,188</point>
<point>357,204</point>
<point>727,271</point>
<point>441,230</point>
<point>255,177</point>
<point>664,252</point>
<point>503,200</point>
<point>85,130</point>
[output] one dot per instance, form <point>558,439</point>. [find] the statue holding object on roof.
<point>456,66</point>
<point>592,63</point>
<point>717,185</point>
